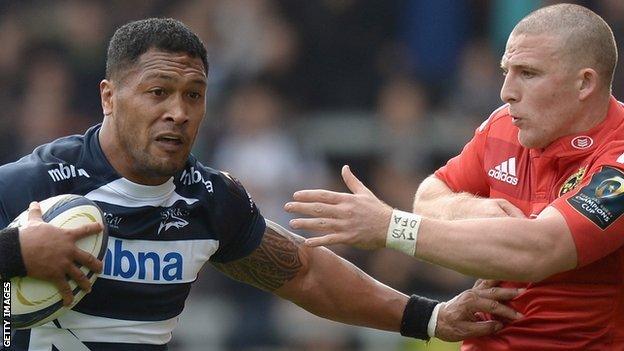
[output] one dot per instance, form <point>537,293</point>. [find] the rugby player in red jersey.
<point>534,200</point>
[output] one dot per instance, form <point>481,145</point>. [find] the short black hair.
<point>135,38</point>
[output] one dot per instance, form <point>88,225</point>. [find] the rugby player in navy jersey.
<point>168,215</point>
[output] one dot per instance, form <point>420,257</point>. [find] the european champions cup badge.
<point>610,188</point>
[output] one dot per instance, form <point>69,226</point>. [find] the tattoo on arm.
<point>272,264</point>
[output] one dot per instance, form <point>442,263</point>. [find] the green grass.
<point>434,345</point>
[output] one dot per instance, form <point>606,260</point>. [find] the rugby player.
<point>549,165</point>
<point>168,215</point>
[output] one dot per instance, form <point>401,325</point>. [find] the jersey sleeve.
<point>237,219</point>
<point>464,172</point>
<point>593,212</point>
<point>22,182</point>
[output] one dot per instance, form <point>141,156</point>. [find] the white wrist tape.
<point>433,321</point>
<point>403,231</point>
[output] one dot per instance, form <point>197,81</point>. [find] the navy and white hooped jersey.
<point>159,238</point>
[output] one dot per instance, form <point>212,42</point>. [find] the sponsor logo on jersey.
<point>112,220</point>
<point>192,176</point>
<point>63,172</point>
<point>602,200</point>
<point>505,172</point>
<point>142,265</point>
<point>572,181</point>
<point>172,218</point>
<point>582,142</point>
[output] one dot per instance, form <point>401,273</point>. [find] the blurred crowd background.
<point>297,88</point>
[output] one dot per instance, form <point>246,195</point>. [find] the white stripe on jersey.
<point>89,328</point>
<point>122,192</point>
<point>156,262</point>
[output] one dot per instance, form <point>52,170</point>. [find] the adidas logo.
<point>505,172</point>
<point>63,172</point>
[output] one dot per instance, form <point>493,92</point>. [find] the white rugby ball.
<point>35,302</point>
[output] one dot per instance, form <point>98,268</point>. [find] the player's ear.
<point>106,96</point>
<point>589,80</point>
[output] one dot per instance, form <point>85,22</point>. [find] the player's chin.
<point>167,169</point>
<point>168,165</point>
<point>529,140</point>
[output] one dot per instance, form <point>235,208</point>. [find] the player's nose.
<point>177,111</point>
<point>509,91</point>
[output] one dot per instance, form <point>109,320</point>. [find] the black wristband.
<point>11,261</point>
<point>416,317</point>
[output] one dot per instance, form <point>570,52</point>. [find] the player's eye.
<point>527,74</point>
<point>195,95</point>
<point>158,92</point>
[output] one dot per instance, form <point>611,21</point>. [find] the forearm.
<point>498,248</point>
<point>435,200</point>
<point>333,288</point>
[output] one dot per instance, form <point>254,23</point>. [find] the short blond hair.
<point>587,38</point>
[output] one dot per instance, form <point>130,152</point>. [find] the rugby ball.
<point>35,302</point>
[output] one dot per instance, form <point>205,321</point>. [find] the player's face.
<point>541,88</point>
<point>157,108</point>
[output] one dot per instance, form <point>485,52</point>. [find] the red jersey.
<point>582,176</point>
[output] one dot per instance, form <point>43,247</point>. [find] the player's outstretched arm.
<point>515,249</point>
<point>50,253</point>
<point>329,286</point>
<point>434,199</point>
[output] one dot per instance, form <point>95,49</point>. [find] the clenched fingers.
<point>501,294</point>
<point>80,278</point>
<point>85,230</point>
<point>89,261</point>
<point>65,290</point>
<point>485,283</point>
<point>512,210</point>
<point>493,307</point>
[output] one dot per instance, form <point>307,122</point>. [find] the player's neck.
<point>593,113</point>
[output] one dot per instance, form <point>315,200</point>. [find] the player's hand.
<point>50,253</point>
<point>359,219</point>
<point>490,208</point>
<point>461,317</point>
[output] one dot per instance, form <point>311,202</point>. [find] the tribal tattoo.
<point>273,263</point>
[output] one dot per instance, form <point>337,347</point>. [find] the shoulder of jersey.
<point>41,174</point>
<point>216,182</point>
<point>35,166</point>
<point>195,177</point>
<point>501,114</point>
<point>613,153</point>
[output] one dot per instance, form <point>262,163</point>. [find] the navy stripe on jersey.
<point>159,302</point>
<point>152,223</point>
